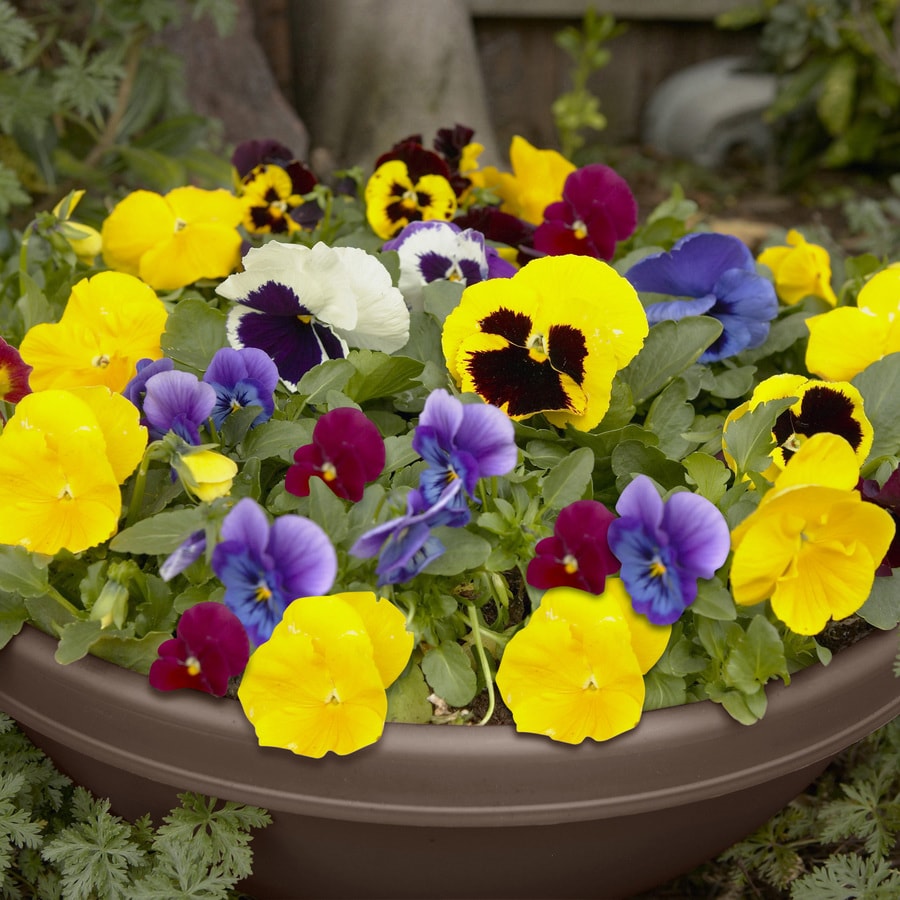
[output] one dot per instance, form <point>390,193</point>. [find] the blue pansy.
<point>714,275</point>
<point>664,547</point>
<point>242,378</point>
<point>264,566</point>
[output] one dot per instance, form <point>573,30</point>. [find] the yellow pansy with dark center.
<point>548,340</point>
<point>397,195</point>
<point>822,408</point>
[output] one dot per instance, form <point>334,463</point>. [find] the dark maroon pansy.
<point>501,228</point>
<point>347,452</point>
<point>210,646</point>
<point>597,211</point>
<point>578,554</point>
<point>419,160</point>
<point>887,497</point>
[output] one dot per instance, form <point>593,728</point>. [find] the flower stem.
<point>475,625</point>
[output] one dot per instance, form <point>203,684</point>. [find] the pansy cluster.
<point>353,450</point>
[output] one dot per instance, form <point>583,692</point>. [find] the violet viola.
<point>664,547</point>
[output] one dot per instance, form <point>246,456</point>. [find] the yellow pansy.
<point>318,684</point>
<point>174,240</point>
<point>110,322</point>
<point>822,406</point>
<point>536,181</point>
<point>205,474</point>
<point>844,341</point>
<point>800,270</point>
<point>548,340</point>
<point>575,671</point>
<point>813,544</point>
<point>395,197</point>
<point>62,457</point>
<point>84,240</point>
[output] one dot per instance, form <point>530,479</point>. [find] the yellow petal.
<point>843,341</point>
<point>138,222</point>
<point>206,474</point>
<point>392,644</point>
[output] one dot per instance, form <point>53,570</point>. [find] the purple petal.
<point>304,556</point>
<point>673,310</point>
<point>177,398</point>
<point>692,267</point>
<point>698,532</point>
<point>487,433</point>
<point>247,525</point>
<point>641,501</point>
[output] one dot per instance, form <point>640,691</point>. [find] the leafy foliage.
<point>838,69</point>
<point>57,841</point>
<point>89,93</point>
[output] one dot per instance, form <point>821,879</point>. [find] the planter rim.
<point>450,776</point>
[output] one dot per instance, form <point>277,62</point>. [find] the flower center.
<point>591,684</point>
<point>179,224</point>
<point>579,229</point>
<point>329,472</point>
<point>537,347</point>
<point>794,442</point>
<point>192,664</point>
<point>262,593</point>
<point>570,564</point>
<point>65,493</point>
<point>332,697</point>
<point>657,567</point>
<point>101,361</point>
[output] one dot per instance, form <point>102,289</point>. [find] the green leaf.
<point>756,657</point>
<point>632,457</point>
<point>879,385</point>
<point>714,601</point>
<point>76,639</point>
<point>162,533</point>
<point>882,608</point>
<point>331,375</point>
<point>450,673</point>
<point>749,437</point>
<point>465,551</point>
<point>670,416</point>
<point>710,475</point>
<point>408,698</point>
<point>380,375</point>
<point>568,480</point>
<point>22,573</point>
<point>670,348</point>
<point>837,92</point>
<point>327,510</point>
<point>278,438</point>
<point>13,615</point>
<point>194,331</point>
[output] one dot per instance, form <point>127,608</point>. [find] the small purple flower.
<point>578,554</point>
<point>716,275</point>
<point>461,442</point>
<point>210,646</point>
<point>187,553</point>
<point>179,402</point>
<point>265,567</point>
<point>665,547</point>
<point>441,251</point>
<point>887,496</point>
<point>346,453</point>
<point>241,378</point>
<point>405,545</point>
<point>597,210</point>
<point>136,389</point>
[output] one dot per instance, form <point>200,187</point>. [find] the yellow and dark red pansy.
<point>409,184</point>
<point>548,340</point>
<point>835,407</point>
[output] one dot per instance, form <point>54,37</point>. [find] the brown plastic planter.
<point>456,812</point>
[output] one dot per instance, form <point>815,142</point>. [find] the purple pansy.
<point>441,251</point>
<point>597,210</point>
<point>304,305</point>
<point>179,402</point>
<point>265,567</point>
<point>578,554</point>
<point>665,547</point>
<point>347,452</point>
<point>887,496</point>
<point>461,442</point>
<point>405,545</point>
<point>136,389</point>
<point>714,275</point>
<point>241,378</point>
<point>210,646</point>
<point>184,555</point>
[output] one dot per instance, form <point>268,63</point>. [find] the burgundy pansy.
<point>596,212</point>
<point>887,497</point>
<point>578,554</point>
<point>347,452</point>
<point>13,374</point>
<point>210,646</point>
